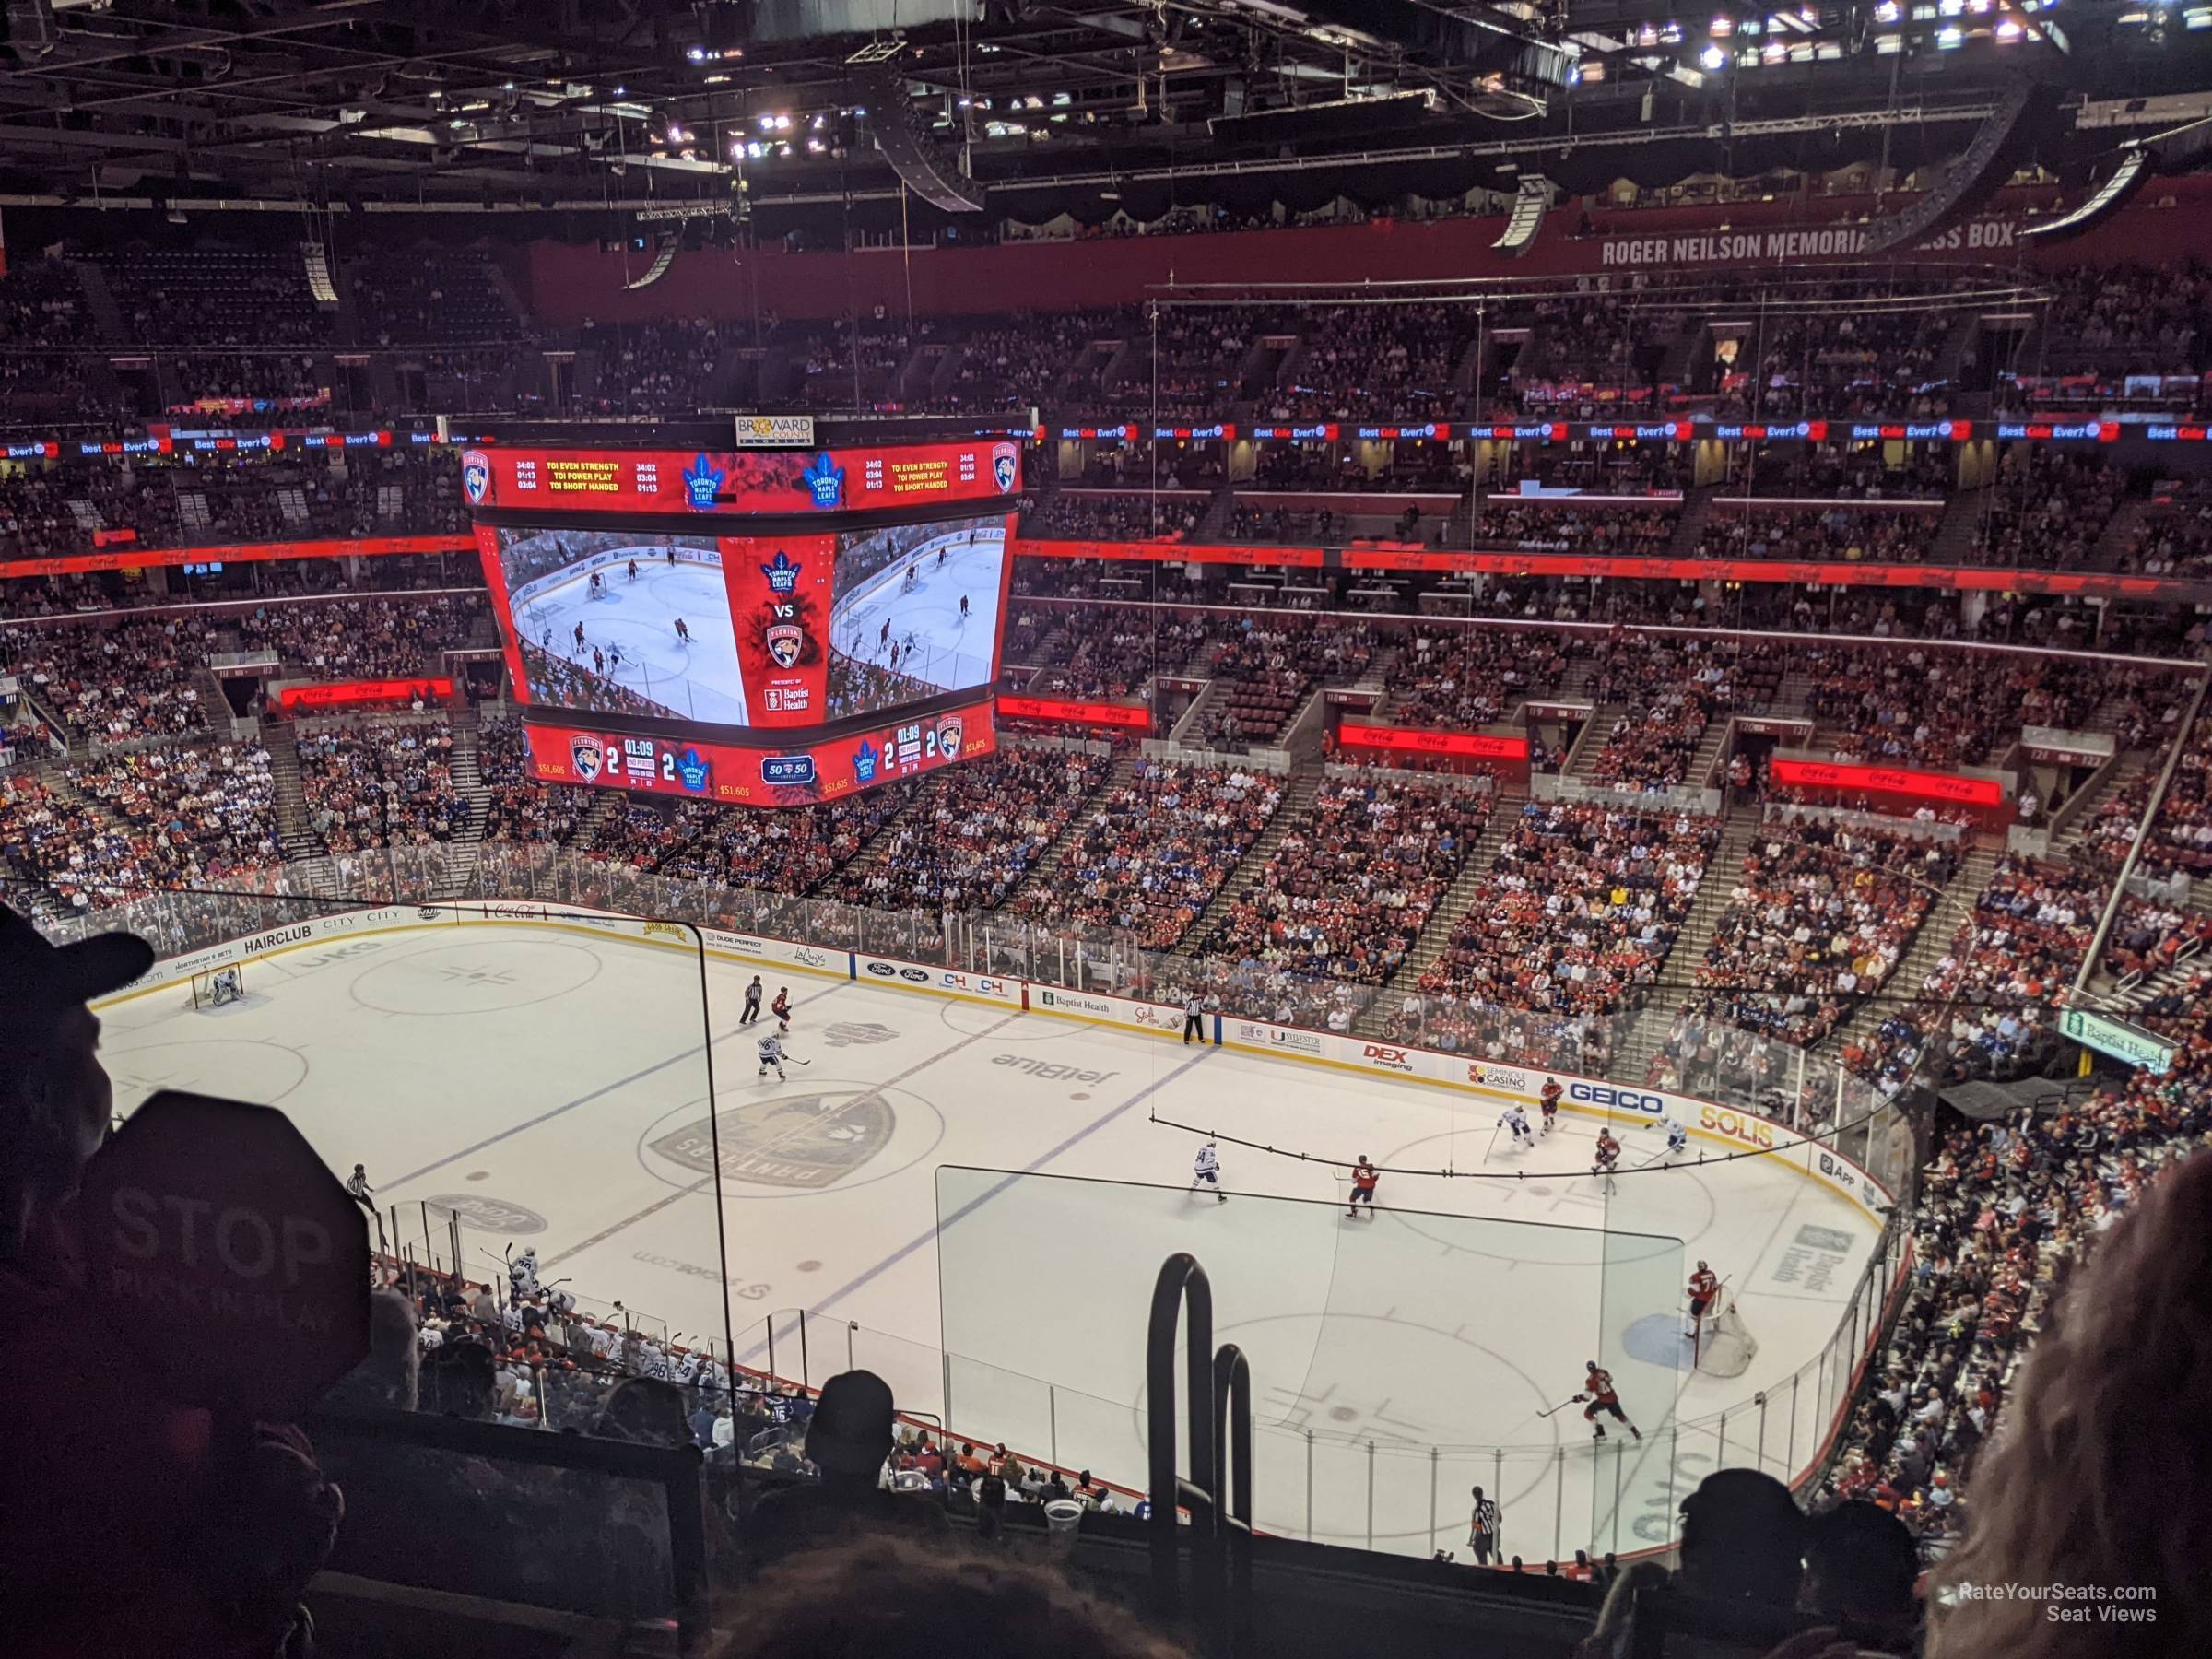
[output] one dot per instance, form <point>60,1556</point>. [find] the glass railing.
<point>1323,1479</point>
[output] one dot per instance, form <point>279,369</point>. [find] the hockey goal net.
<point>220,986</point>
<point>1725,1346</point>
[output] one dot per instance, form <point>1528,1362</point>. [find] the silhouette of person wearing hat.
<point>848,1440</point>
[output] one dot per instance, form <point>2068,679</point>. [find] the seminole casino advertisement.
<point>769,629</point>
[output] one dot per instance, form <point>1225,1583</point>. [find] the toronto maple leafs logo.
<point>702,482</point>
<point>476,476</point>
<point>863,761</point>
<point>692,771</point>
<point>782,572</point>
<point>825,480</point>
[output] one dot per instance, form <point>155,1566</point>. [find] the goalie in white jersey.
<point>1205,1174</point>
<point>771,1049</point>
<point>1516,1120</point>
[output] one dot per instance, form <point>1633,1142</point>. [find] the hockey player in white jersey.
<point>522,1275</point>
<point>1678,1138</point>
<point>1516,1120</point>
<point>1206,1176</point>
<point>772,1053</point>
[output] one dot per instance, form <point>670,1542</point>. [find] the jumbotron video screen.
<point>703,657</point>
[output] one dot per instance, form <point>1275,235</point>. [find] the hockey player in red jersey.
<point>1597,1388</point>
<point>1704,1285</point>
<point>1364,1177</point>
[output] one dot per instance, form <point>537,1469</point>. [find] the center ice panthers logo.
<point>588,753</point>
<point>825,480</point>
<point>702,480</point>
<point>1004,460</point>
<point>476,476</point>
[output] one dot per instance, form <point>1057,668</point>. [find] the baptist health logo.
<point>702,482</point>
<point>782,572</point>
<point>825,482</point>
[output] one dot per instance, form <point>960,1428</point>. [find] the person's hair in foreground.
<point>886,1599</point>
<point>2100,1479</point>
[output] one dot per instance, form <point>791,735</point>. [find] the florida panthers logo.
<point>476,476</point>
<point>786,643</point>
<point>1006,467</point>
<point>588,753</point>
<point>949,729</point>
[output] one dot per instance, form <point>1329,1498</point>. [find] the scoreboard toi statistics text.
<point>766,628</point>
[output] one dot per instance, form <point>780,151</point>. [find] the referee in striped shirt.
<point>1482,1530</point>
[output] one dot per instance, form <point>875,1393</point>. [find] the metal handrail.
<point>1183,1290</point>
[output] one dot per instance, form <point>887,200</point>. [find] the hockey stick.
<point>1570,1400</point>
<point>1493,1145</point>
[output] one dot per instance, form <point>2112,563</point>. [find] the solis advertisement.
<point>712,632</point>
<point>788,775</point>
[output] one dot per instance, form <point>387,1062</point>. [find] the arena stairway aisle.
<point>877,846</point>
<point>2118,535</point>
<point>1042,873</point>
<point>603,811</point>
<point>1961,531</point>
<point>1678,974</point>
<point>1937,929</point>
<point>2129,770</point>
<point>1296,809</point>
<point>295,825</point>
<point>1451,906</point>
<point>467,847</point>
<point>1689,529</point>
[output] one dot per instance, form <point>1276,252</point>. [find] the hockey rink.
<point>973,1201</point>
<point>935,642</point>
<point>698,681</point>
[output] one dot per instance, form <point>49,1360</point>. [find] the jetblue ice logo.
<point>702,481</point>
<point>863,761</point>
<point>787,769</point>
<point>782,572</point>
<point>476,476</point>
<point>692,771</point>
<point>1003,464</point>
<point>825,482</point>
